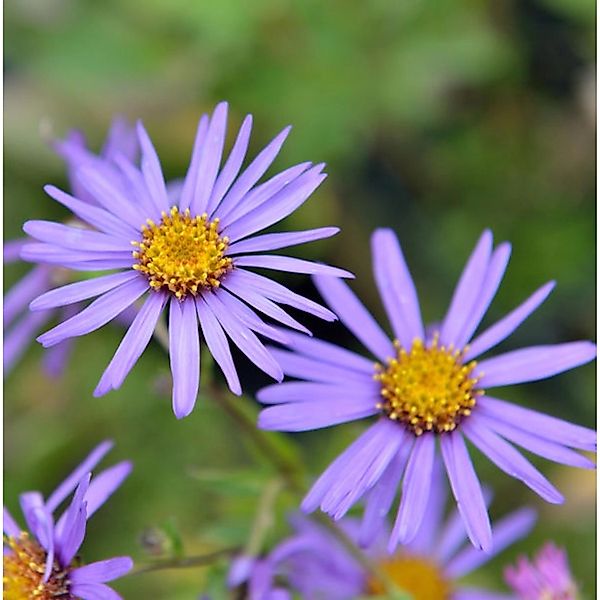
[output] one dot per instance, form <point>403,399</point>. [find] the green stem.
<point>189,561</point>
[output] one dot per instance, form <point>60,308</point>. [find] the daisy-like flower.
<point>315,565</point>
<point>191,258</point>
<point>547,577</point>
<point>42,562</point>
<point>20,325</point>
<point>425,389</point>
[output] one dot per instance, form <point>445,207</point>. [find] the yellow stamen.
<point>182,254</point>
<point>428,388</point>
<point>421,578</point>
<point>23,574</point>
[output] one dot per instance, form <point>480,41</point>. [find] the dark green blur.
<point>437,119</point>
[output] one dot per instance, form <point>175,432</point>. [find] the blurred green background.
<point>435,118</point>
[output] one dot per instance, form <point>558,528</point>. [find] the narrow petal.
<point>534,363</point>
<point>295,391</point>
<point>52,254</point>
<point>19,295</point>
<point>11,250</point>
<point>9,525</point>
<point>184,352</point>
<point>56,359</point>
<point>94,591</point>
<point>103,485</point>
<point>81,290</point>
<point>396,287</point>
<point>71,482</point>
<point>491,283</point>
<point>263,193</point>
<point>279,206</point>
<point>416,487</point>
<point>97,314</point>
<point>507,531</point>
<point>278,293</point>
<point>70,529</point>
<point>291,265</point>
<point>133,344</point>
<point>152,171</point>
<point>503,328</point>
<point>511,461</point>
<point>305,416</point>
<point>253,172</point>
<point>134,180</point>
<point>544,426</point>
<point>20,336</point>
<point>381,496</point>
<point>40,524</point>
<point>467,490</point>
<point>232,166</point>
<point>217,344</point>
<point>189,183</point>
<point>94,215</point>
<point>275,241</point>
<point>210,159</point>
<point>102,571</point>
<point>355,316</point>
<point>532,442</point>
<point>467,290</point>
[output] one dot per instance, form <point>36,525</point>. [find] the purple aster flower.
<point>426,388</point>
<point>547,577</point>
<point>190,257</point>
<point>315,565</point>
<point>20,325</point>
<point>42,562</point>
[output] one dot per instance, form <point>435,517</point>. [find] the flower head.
<point>547,577</point>
<point>188,255</point>
<point>21,326</point>
<point>426,388</point>
<point>315,564</point>
<point>43,562</point>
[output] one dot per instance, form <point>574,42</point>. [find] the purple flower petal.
<point>416,487</point>
<point>514,527</point>
<point>133,344</point>
<point>27,288</point>
<point>243,337</point>
<point>275,241</point>
<point>184,351</point>
<point>189,183</point>
<point>12,250</point>
<point>94,591</point>
<point>545,426</point>
<point>396,287</point>
<point>278,293</point>
<point>98,313</point>
<point>81,290</point>
<point>102,571</point>
<point>467,290</point>
<point>55,255</point>
<point>252,174</point>
<point>263,193</point>
<point>532,442</point>
<point>314,369</point>
<point>304,416</point>
<point>278,206</point>
<point>72,481</point>
<point>534,363</point>
<point>104,485</point>
<point>21,334</point>
<point>511,461</point>
<point>294,391</point>
<point>70,529</point>
<point>467,490</point>
<point>96,216</point>
<point>152,171</point>
<point>217,344</point>
<point>55,359</point>
<point>292,265</point>
<point>503,328</point>
<point>40,523</point>
<point>121,139</point>
<point>491,283</point>
<point>355,316</point>
<point>210,159</point>
<point>381,496</point>
<point>9,525</point>
<point>136,188</point>
<point>232,165</point>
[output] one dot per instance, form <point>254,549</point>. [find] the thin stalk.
<point>188,561</point>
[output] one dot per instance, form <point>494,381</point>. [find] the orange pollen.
<point>182,254</point>
<point>428,388</point>
<point>23,576</point>
<point>421,578</point>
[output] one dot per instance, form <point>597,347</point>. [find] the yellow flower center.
<point>428,388</point>
<point>183,254</point>
<point>23,574</point>
<point>419,577</point>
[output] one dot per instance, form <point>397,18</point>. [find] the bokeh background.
<point>435,118</point>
